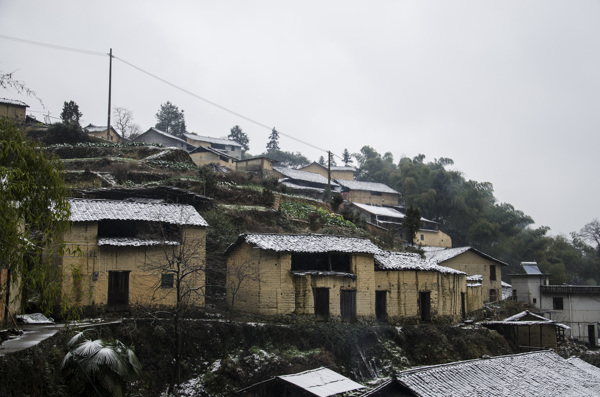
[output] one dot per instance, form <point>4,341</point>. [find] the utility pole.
<point>110,56</point>
<point>328,175</point>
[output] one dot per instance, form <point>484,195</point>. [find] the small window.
<point>493,295</point>
<point>514,292</point>
<point>557,303</point>
<point>422,237</point>
<point>493,272</point>
<point>534,301</point>
<point>167,280</point>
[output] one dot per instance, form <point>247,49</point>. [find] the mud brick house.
<point>100,132</point>
<point>408,286</point>
<point>262,166</point>
<point>302,182</point>
<point>337,172</point>
<point>13,110</point>
<point>472,262</point>
<point>118,253</point>
<point>157,136</point>
<point>204,155</point>
<point>337,277</point>
<point>387,218</point>
<point>227,146</point>
<point>538,374</point>
<point>371,193</point>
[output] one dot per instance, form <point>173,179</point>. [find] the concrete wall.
<point>433,238</point>
<point>473,264</point>
<point>86,266</point>
<point>527,288</point>
<point>579,311</point>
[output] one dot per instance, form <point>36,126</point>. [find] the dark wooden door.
<point>381,305</point>
<point>118,290</point>
<point>592,338</point>
<point>425,305</point>
<point>348,305</point>
<point>322,303</point>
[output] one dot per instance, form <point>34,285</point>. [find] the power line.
<point>98,53</point>
<point>53,46</point>
<point>215,104</point>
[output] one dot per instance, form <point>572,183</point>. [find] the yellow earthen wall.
<point>84,257</point>
<point>365,197</point>
<point>203,158</point>
<point>433,238</point>
<point>317,169</point>
<point>474,298</point>
<point>404,286</point>
<point>102,135</point>
<point>472,264</point>
<point>11,112</point>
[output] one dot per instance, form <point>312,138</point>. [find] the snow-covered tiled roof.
<point>291,185</point>
<point>220,141</point>
<point>303,176</point>
<point>322,382</point>
<point>132,242</point>
<point>13,102</point>
<point>366,186</point>
<point>584,366</point>
<point>307,243</point>
<point>140,138</point>
<point>475,277</point>
<point>542,373</point>
<point>442,255</point>
<point>85,210</point>
<point>212,150</point>
<point>347,168</point>
<point>409,261</point>
<point>525,313</point>
<point>380,211</point>
<point>98,128</point>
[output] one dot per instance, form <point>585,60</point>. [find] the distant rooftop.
<point>409,261</point>
<point>440,255</point>
<point>221,141</point>
<point>303,176</point>
<point>366,186</point>
<point>13,102</point>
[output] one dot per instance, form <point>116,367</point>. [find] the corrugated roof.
<point>84,210</point>
<point>303,176</point>
<point>542,373</point>
<point>307,243</point>
<point>440,255</point>
<point>409,261</point>
<point>322,382</point>
<point>13,102</point>
<point>367,186</point>
<point>221,141</point>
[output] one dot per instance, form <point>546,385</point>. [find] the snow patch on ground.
<point>35,318</point>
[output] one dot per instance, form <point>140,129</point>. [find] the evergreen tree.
<point>346,157</point>
<point>322,161</point>
<point>237,135</point>
<point>273,143</point>
<point>70,113</point>
<point>411,224</point>
<point>170,120</point>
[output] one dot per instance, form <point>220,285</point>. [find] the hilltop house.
<point>390,218</point>
<point>100,132</point>
<point>472,262</point>
<point>307,183</point>
<point>118,253</point>
<point>204,155</point>
<point>262,166</point>
<point>574,305</point>
<point>337,172</point>
<point>157,136</point>
<point>13,110</point>
<point>542,374</point>
<point>341,277</point>
<point>371,193</point>
<point>227,146</point>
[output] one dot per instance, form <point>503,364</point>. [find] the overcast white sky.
<point>510,90</point>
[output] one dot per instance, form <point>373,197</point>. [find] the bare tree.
<point>124,122</point>
<point>182,266</point>
<point>237,275</point>
<point>7,81</point>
